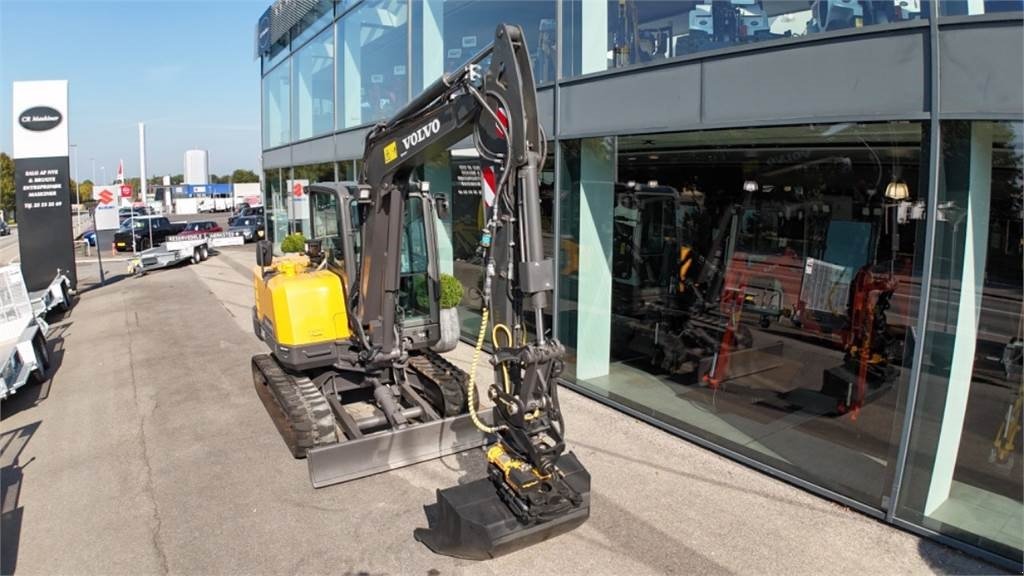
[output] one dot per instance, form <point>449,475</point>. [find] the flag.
<point>120,172</point>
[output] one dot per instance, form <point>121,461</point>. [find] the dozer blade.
<point>472,521</point>
<point>383,451</point>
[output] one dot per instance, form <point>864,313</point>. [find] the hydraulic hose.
<point>471,389</point>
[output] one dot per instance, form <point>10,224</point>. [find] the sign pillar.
<point>41,181</point>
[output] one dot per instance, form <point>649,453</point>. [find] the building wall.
<point>808,232</point>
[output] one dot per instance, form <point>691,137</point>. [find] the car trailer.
<point>178,249</point>
<point>23,327</point>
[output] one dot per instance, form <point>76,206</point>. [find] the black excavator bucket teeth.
<point>471,520</point>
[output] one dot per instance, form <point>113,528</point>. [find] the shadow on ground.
<point>12,444</point>
<point>945,560</point>
<point>110,279</point>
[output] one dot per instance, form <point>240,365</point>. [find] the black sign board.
<point>44,220</point>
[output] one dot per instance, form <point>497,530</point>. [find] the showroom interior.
<point>790,231</point>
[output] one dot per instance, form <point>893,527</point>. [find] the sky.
<point>185,68</point>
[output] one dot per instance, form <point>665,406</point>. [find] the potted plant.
<point>451,296</point>
<point>293,243</point>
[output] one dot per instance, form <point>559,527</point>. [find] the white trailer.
<point>177,249</point>
<point>23,327</point>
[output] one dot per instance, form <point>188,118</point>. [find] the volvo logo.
<point>39,118</point>
<point>421,134</point>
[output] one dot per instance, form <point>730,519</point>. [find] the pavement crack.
<point>144,446</point>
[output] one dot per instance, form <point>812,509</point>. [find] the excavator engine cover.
<point>472,521</point>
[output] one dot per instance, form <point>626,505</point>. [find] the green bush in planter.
<point>451,291</point>
<point>293,243</point>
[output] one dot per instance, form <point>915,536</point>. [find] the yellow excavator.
<point>350,379</point>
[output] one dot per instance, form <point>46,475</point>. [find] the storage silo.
<point>197,167</point>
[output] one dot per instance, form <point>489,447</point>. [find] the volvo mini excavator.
<point>350,380</point>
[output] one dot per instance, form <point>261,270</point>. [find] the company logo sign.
<point>106,197</point>
<point>297,189</point>
<point>40,118</point>
<point>421,134</point>
<point>126,191</point>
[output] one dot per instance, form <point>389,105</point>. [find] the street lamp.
<point>78,191</point>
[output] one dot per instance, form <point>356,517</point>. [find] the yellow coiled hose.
<point>471,391</point>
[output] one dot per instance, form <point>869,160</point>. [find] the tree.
<point>7,198</point>
<point>177,179</point>
<point>85,192</point>
<point>241,176</point>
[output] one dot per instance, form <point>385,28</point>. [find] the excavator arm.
<point>534,490</point>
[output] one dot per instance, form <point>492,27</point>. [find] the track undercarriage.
<point>351,423</point>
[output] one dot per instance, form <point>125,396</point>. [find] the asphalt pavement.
<point>148,452</point>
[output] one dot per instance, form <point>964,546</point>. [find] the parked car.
<point>249,227</point>
<point>148,231</point>
<point>89,236</point>
<point>246,212</point>
<point>197,228</point>
<point>5,230</point>
<point>125,213</point>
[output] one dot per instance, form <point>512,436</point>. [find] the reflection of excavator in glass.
<point>868,343</point>
<point>668,295</point>
<point>350,380</point>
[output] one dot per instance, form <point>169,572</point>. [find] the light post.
<point>103,171</point>
<point>78,191</point>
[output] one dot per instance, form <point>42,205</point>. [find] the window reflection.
<point>964,476</point>
<point>643,31</point>
<point>276,113</point>
<point>469,26</point>
<point>314,87</point>
<point>976,7</point>
<point>764,285</point>
<point>372,71</point>
<point>295,195</point>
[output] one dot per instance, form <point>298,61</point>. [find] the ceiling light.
<point>897,190</point>
<point>750,186</point>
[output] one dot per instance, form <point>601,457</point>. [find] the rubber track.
<point>448,378</point>
<point>308,412</point>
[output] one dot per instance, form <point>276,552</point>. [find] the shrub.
<point>293,243</point>
<point>451,291</point>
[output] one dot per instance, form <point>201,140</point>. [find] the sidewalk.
<point>149,452</point>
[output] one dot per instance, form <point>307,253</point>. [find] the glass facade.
<point>452,31</point>
<point>834,297</point>
<point>761,288</point>
<point>978,7</point>
<point>313,93</point>
<point>276,106</point>
<point>613,34</point>
<point>965,473</point>
<point>372,71</point>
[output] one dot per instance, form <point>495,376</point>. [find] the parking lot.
<point>149,452</point>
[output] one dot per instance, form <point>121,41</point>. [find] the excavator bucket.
<point>472,520</point>
<point>375,453</point>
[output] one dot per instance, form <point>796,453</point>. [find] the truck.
<point>23,327</point>
<point>144,232</point>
